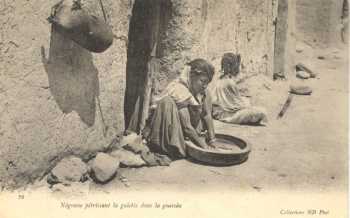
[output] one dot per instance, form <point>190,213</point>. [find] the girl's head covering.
<point>197,66</point>
<point>180,90</point>
<point>201,67</point>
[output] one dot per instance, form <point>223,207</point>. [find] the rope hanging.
<point>103,10</point>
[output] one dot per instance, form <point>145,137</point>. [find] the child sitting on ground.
<point>228,104</point>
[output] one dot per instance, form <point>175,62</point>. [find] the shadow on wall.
<point>73,78</point>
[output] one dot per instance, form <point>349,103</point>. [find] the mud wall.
<point>49,88</point>
<point>49,85</point>
<point>318,22</point>
<point>208,28</point>
<point>204,29</point>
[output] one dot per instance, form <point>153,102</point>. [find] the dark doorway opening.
<point>146,31</point>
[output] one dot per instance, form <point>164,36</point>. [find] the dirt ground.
<point>305,150</point>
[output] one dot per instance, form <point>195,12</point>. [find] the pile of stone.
<point>303,72</point>
<point>130,152</point>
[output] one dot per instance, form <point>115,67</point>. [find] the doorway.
<point>147,29</point>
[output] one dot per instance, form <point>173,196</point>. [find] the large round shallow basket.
<point>238,154</point>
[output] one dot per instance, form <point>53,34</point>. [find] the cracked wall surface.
<point>209,28</point>
<point>49,85</point>
<point>318,22</point>
<point>49,88</point>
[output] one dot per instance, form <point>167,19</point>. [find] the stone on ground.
<point>128,158</point>
<point>302,67</point>
<point>132,138</point>
<point>134,143</point>
<point>302,74</point>
<point>300,89</point>
<point>69,169</point>
<point>104,167</point>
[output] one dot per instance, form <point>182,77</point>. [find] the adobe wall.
<point>49,87</point>
<point>318,22</point>
<point>209,28</point>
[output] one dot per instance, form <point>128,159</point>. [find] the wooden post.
<point>285,106</point>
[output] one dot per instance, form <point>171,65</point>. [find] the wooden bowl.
<point>237,154</point>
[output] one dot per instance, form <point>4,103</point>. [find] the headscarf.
<point>180,89</point>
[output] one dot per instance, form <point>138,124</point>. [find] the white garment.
<point>225,94</point>
<point>180,92</point>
